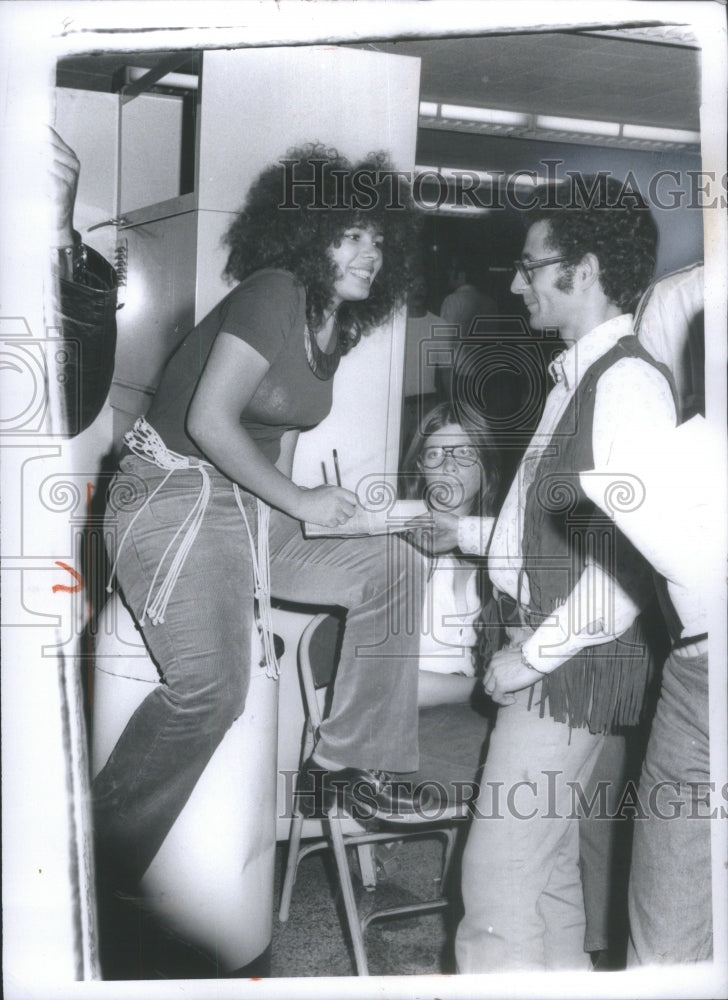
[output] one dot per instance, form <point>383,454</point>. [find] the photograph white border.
<point>35,35</point>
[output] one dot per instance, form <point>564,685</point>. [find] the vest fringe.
<point>589,692</point>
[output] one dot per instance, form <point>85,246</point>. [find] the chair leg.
<point>367,866</point>
<point>291,867</point>
<point>347,889</point>
<point>450,838</point>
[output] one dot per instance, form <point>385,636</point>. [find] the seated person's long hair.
<point>480,435</point>
<point>300,206</point>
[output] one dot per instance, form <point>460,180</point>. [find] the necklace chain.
<point>323,365</point>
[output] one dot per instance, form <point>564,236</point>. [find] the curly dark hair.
<point>600,215</point>
<point>301,205</point>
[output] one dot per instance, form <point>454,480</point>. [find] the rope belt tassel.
<point>261,572</point>
<point>144,442</point>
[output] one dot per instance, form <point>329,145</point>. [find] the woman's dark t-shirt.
<point>268,311</point>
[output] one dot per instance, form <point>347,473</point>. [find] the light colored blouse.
<point>450,608</point>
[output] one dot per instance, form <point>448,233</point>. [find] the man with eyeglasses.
<point>576,666</point>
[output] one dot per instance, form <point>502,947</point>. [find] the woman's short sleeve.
<point>264,310</point>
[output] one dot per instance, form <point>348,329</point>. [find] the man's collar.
<point>569,366</point>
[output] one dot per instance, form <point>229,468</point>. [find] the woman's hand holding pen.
<point>327,505</point>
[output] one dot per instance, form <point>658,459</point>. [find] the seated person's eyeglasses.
<point>434,456</point>
<point>524,267</point>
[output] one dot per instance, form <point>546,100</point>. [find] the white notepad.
<point>373,521</point>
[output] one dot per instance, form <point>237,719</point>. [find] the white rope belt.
<point>144,442</point>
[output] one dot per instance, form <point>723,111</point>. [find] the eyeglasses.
<point>434,456</point>
<point>524,267</point>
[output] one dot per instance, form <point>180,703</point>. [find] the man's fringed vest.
<point>603,686</point>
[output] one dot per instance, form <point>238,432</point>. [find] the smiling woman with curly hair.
<point>302,205</point>
<point>322,252</point>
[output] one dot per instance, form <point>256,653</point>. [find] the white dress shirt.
<point>667,326</point>
<point>632,395</point>
<point>659,488</point>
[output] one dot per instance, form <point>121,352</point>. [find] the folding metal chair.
<point>317,656</point>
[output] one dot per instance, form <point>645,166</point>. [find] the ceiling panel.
<point>615,77</point>
<point>560,73</point>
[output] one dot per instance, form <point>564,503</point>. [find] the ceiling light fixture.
<point>447,208</point>
<point>582,125</point>
<point>456,173</point>
<point>489,116</point>
<point>516,124</point>
<point>525,179</point>
<point>659,134</point>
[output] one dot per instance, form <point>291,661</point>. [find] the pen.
<point>323,469</point>
<point>336,467</point>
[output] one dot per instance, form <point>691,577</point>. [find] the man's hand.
<point>436,532</point>
<point>506,673</point>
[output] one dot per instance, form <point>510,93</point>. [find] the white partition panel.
<point>212,879</point>
<point>256,104</point>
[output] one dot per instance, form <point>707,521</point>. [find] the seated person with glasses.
<point>451,463</point>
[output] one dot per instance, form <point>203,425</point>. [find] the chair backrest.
<point>318,655</point>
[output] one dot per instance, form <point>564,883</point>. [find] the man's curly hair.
<point>301,205</point>
<point>598,214</point>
